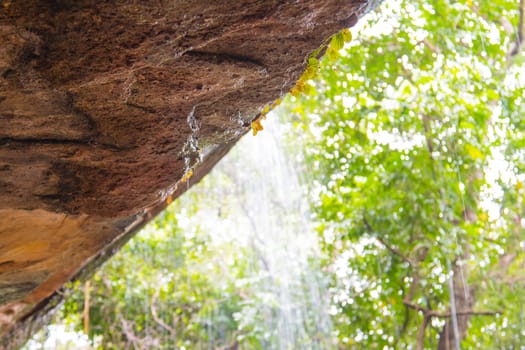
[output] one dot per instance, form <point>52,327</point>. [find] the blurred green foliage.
<point>414,137</point>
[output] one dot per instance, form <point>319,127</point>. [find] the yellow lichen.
<point>257,126</point>
<point>187,176</point>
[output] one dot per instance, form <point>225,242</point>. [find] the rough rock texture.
<point>105,106</point>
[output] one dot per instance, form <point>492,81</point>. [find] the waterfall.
<point>255,199</point>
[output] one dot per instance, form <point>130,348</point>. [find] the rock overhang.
<point>104,108</point>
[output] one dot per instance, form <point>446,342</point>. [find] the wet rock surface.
<point>104,106</point>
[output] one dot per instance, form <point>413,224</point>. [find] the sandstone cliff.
<point>106,106</point>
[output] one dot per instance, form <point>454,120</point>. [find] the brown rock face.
<point>105,106</point>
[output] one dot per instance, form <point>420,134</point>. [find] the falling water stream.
<point>267,213</point>
<point>281,235</point>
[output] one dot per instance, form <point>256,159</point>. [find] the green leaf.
<point>337,42</point>
<point>347,35</point>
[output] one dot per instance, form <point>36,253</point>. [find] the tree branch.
<point>130,335</point>
<point>86,307</point>
<point>420,344</point>
<point>520,32</point>
<point>410,296</point>
<point>393,250</point>
<point>427,129</point>
<point>432,313</point>
<point>156,316</point>
<point>430,46</point>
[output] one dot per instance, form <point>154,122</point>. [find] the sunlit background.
<point>381,207</point>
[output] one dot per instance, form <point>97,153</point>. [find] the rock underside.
<point>106,106</point>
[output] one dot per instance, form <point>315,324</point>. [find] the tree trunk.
<point>455,328</point>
